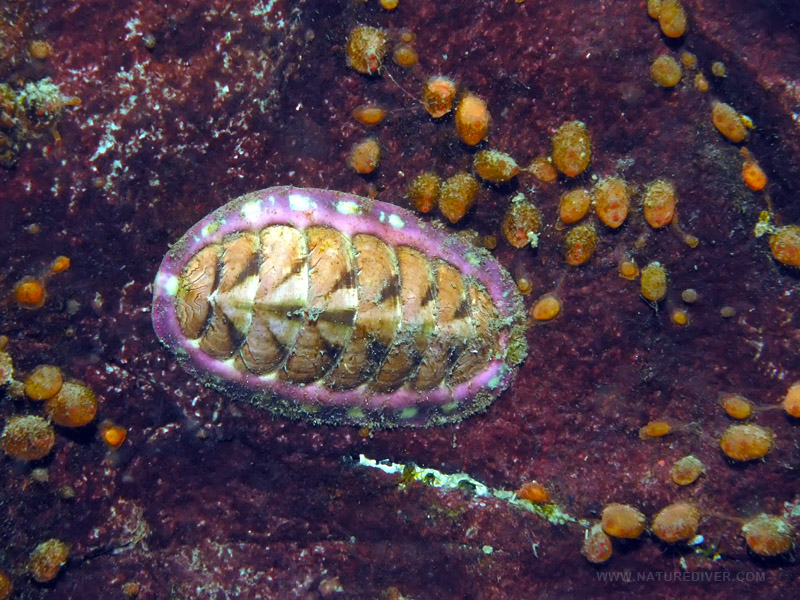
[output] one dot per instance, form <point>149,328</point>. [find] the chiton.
<point>338,309</point>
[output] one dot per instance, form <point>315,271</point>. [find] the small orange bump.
<point>457,195</point>
<point>746,442</point>
<point>40,50</point>
<point>522,223</point>
<point>495,166</point>
<point>628,269</point>
<point>660,199</point>
<point>60,264</point>
<point>612,201</point>
<point>679,316</point>
<point>369,114</point>
<point>365,156</point>
<point>701,83</point>
<point>791,403</point>
<point>47,559</point>
<point>389,4</point>
<point>654,282</point>
<point>472,119</point>
<point>655,429</point>
<point>74,405</point>
<point>542,168</point>
<point>574,205</point>
<point>736,406</point>
<point>30,293</point>
<point>438,96</point>
<point>113,435</point>
<point>366,49</point>
<point>686,470</point>
<point>676,523</point>
<point>769,535</point>
<point>572,148</point>
<point>623,521</point>
<point>580,243</point>
<point>728,122</point>
<point>533,491</point>
<point>752,174</point>
<point>27,437</point>
<point>405,56</point>
<point>546,308</point>
<point>597,546</point>
<point>423,191</point>
<point>6,587</point>
<point>672,18</point>
<point>524,285</point>
<point>43,383</point>
<point>665,71</point>
<point>785,245</point>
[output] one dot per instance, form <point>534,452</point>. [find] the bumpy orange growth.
<point>686,470</point>
<point>365,156</point>
<point>423,192</point>
<point>679,316</point>
<point>628,269</point>
<point>533,491</point>
<point>768,535</point>
<point>113,435</point>
<point>666,71</point>
<point>30,293</point>
<point>612,201</point>
<point>676,523</point>
<point>580,243</point>
<point>27,437</point>
<point>654,282</point>
<point>59,264</point>
<point>74,405</point>
<point>40,50</point>
<point>522,222</point>
<point>369,114</point>
<point>43,382</point>
<point>660,199</point>
<point>672,18</point>
<point>366,49</point>
<point>542,168</point>
<point>574,205</point>
<point>47,559</point>
<point>597,546</point>
<point>472,119</point>
<point>655,429</point>
<point>405,56</point>
<point>524,285</point>
<point>546,308</point>
<point>622,521</point>
<point>736,406</point>
<point>438,96</point>
<point>785,245</point>
<point>572,148</point>
<point>728,122</point>
<point>457,195</point>
<point>6,587</point>
<point>495,166</point>
<point>746,442</point>
<point>791,403</point>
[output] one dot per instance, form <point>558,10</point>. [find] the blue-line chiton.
<point>338,309</point>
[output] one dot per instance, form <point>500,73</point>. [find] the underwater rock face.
<point>333,308</point>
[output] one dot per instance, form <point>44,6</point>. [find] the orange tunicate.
<point>659,203</point>
<point>612,201</point>
<point>672,18</point>
<point>572,148</point>
<point>580,243</point>
<point>791,403</point>
<point>369,114</point>
<point>622,521</point>
<point>574,205</point>
<point>533,491</point>
<point>389,4</point>
<point>27,437</point>
<point>546,308</point>
<point>40,50</point>
<point>688,60</point>
<point>522,222</point>
<point>366,49</point>
<point>423,191</point>
<point>6,587</point>
<point>30,293</point>
<point>686,470</point>
<point>654,282</point>
<point>653,8</point>
<point>676,523</point>
<point>59,264</point>
<point>628,269</point>
<point>754,176</point>
<point>728,122</point>
<point>365,156</point>
<point>666,71</point>
<point>736,406</point>
<point>457,195</point>
<point>489,242</point>
<point>701,83</point>
<point>43,382</point>
<point>524,285</point>
<point>746,442</point>
<point>74,405</point>
<point>785,245</point>
<point>597,546</point>
<point>113,435</point>
<point>679,316</point>
<point>718,69</point>
<point>47,559</point>
<point>768,535</point>
<point>472,119</point>
<point>495,166</point>
<point>438,96</point>
<point>654,429</point>
<point>542,168</point>
<point>405,56</point>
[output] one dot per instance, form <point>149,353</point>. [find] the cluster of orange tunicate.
<point>31,292</point>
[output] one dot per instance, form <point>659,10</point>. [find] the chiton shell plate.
<point>338,309</point>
